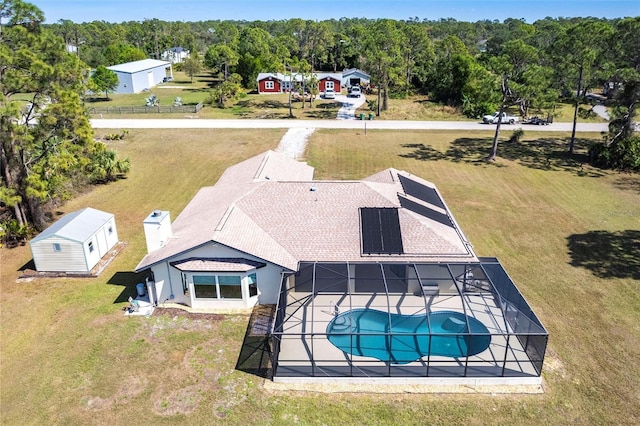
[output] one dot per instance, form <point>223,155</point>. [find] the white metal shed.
<point>134,77</point>
<point>76,242</point>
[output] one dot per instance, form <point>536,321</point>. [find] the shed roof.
<point>76,226</point>
<point>137,66</point>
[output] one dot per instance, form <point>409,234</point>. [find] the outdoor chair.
<point>133,305</point>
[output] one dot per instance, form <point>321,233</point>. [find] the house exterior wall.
<point>174,56</point>
<point>169,287</point>
<point>70,257</point>
<point>322,84</point>
<point>277,85</point>
<point>355,77</point>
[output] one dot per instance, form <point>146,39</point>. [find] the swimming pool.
<point>362,332</point>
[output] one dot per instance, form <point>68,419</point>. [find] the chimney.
<point>157,229</point>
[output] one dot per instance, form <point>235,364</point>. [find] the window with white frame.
<point>221,286</point>
<point>90,245</point>
<point>56,247</point>
<point>329,85</point>
<point>217,286</point>
<point>269,85</point>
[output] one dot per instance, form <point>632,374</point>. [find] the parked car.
<point>329,94</point>
<point>297,97</point>
<point>537,121</point>
<point>354,92</point>
<point>506,118</point>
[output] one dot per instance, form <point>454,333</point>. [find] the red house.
<point>329,81</point>
<point>270,83</point>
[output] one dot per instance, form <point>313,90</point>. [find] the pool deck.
<point>499,368</point>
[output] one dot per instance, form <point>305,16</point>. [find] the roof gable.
<point>355,72</point>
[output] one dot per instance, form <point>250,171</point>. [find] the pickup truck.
<point>506,119</point>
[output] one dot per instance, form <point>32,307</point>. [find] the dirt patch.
<point>175,312</point>
<point>128,390</point>
<point>180,401</point>
<point>553,363</point>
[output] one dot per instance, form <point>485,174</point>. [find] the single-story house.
<point>355,77</point>
<point>134,77</point>
<point>329,81</point>
<point>76,242</point>
<point>269,82</point>
<point>175,54</point>
<point>369,278</point>
<point>280,83</point>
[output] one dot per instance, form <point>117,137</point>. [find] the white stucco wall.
<point>168,281</point>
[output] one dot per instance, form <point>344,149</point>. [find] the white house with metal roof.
<point>231,245</point>
<point>134,77</point>
<point>175,54</point>
<point>76,242</point>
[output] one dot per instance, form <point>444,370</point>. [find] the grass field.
<point>255,106</point>
<point>567,234</point>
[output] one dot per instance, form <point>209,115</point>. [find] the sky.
<point>251,10</point>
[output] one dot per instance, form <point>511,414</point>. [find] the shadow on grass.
<point>255,353</point>
<point>607,254</point>
<point>31,264</point>
<point>329,105</point>
<point>542,154</point>
<point>323,114</point>
<point>269,103</point>
<point>628,183</point>
<point>128,280</point>
<point>93,99</point>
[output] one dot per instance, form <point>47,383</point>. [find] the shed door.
<point>150,79</point>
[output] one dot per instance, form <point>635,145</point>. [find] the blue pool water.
<point>448,337</point>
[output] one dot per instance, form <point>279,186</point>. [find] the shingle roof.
<point>217,264</point>
<point>76,226</point>
<point>288,217</point>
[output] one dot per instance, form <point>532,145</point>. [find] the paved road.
<point>197,123</point>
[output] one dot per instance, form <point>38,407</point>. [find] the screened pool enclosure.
<point>373,320</point>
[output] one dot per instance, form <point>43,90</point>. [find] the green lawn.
<point>567,234</point>
<point>254,106</point>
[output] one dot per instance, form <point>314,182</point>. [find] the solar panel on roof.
<point>420,191</point>
<point>425,211</point>
<point>380,229</point>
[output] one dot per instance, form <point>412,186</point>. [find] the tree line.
<point>48,150</point>
<point>479,67</point>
